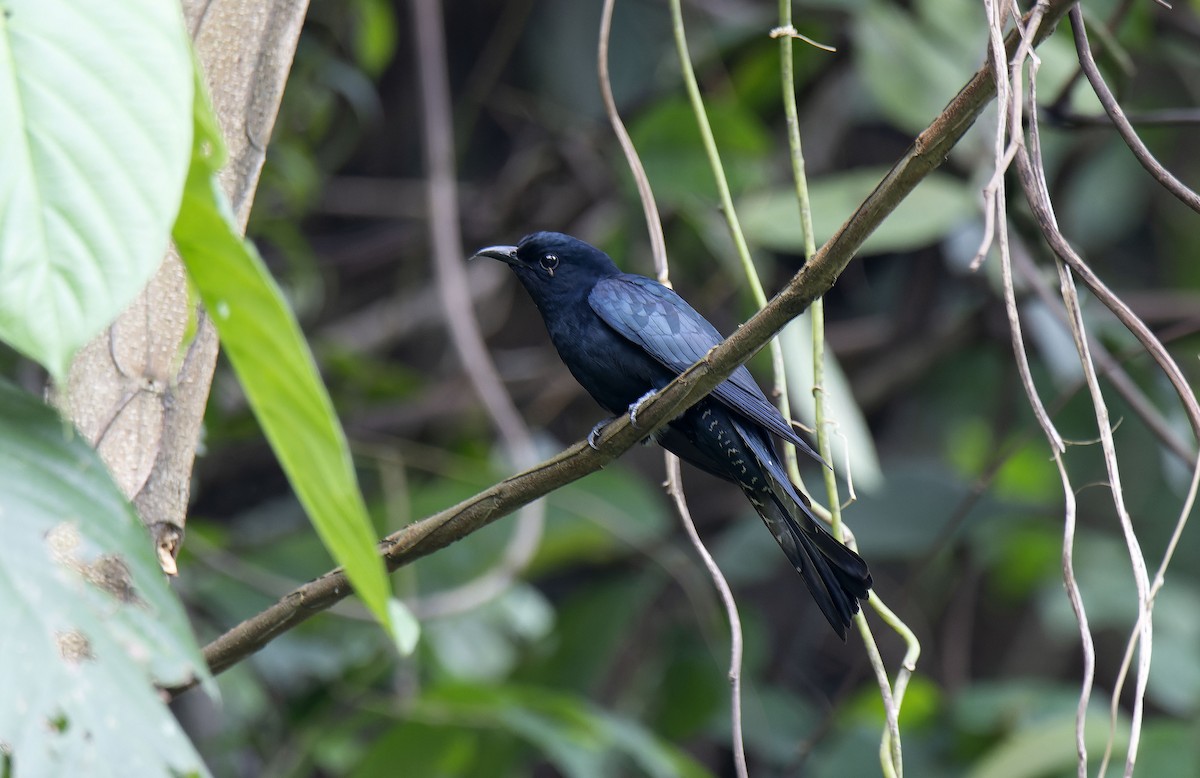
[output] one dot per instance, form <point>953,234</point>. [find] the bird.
<point>624,337</point>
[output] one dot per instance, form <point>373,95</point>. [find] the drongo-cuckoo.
<point>626,336</point>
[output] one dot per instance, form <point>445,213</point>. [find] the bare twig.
<point>1109,367</point>
<point>1113,109</point>
<point>1165,117</point>
<point>1009,141</point>
<point>725,198</point>
<point>1033,180</point>
<point>814,279</point>
<point>1085,633</point>
<point>1062,248</point>
<point>1137,559</point>
<point>658,244</point>
<point>674,482</point>
<point>453,288</point>
<point>891,750</point>
<point>675,490</point>
<point>1159,579</point>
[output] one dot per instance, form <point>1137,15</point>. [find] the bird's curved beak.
<point>506,254</point>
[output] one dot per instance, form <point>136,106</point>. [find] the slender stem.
<point>731,219</point>
<point>675,490</point>
<point>452,286</point>
<point>658,244</point>
<point>1113,109</point>
<point>891,753</point>
<point>674,483</point>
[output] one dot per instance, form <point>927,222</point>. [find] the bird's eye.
<point>549,263</point>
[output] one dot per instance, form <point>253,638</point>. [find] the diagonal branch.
<point>814,279</point>
<point>1088,64</point>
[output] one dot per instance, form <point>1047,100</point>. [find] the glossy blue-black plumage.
<point>624,335</point>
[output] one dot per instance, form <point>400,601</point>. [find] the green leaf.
<point>851,439</point>
<point>89,623</point>
<point>424,749</point>
<point>673,152</point>
<point>484,643</point>
<point>599,518</point>
<point>580,740</point>
<point>94,139</point>
<point>1168,749</point>
<point>264,344</point>
<point>374,35</point>
<point>406,630</point>
<point>939,203</point>
<point>939,43</point>
<point>1048,748</point>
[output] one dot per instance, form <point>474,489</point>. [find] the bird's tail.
<point>836,577</point>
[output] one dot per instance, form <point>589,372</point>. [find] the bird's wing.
<point>660,321</point>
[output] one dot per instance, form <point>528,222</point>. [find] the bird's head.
<point>553,264</point>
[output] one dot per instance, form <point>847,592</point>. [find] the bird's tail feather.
<point>836,577</point>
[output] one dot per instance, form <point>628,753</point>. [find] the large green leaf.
<point>89,623</point>
<point>264,344</point>
<point>580,740</point>
<point>1048,748</point>
<point>95,129</point>
<point>940,202</point>
<point>914,59</point>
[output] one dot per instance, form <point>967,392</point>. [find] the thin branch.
<point>785,32</point>
<point>814,279</point>
<point>658,244</point>
<point>1159,579</point>
<point>1033,180</point>
<point>1085,633</point>
<point>732,222</point>
<point>1009,140</point>
<point>1136,557</point>
<point>454,290</point>
<point>1113,109</point>
<point>1010,126</point>
<point>674,481</point>
<point>1165,117</point>
<point>1039,203</point>
<point>675,490</point>
<point>1109,367</point>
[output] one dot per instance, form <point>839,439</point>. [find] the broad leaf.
<point>1048,748</point>
<point>94,139</point>
<point>913,59</point>
<point>939,203</point>
<point>89,623</point>
<point>264,344</point>
<point>580,740</point>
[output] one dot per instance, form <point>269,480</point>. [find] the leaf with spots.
<point>90,625</point>
<point>94,137</point>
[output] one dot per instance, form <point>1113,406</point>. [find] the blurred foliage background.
<point>610,657</point>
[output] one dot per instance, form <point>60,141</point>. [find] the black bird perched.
<point>626,336</point>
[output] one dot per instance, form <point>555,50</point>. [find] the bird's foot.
<point>594,435</point>
<point>637,406</point>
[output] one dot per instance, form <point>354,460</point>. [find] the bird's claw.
<point>594,435</point>
<point>637,406</point>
